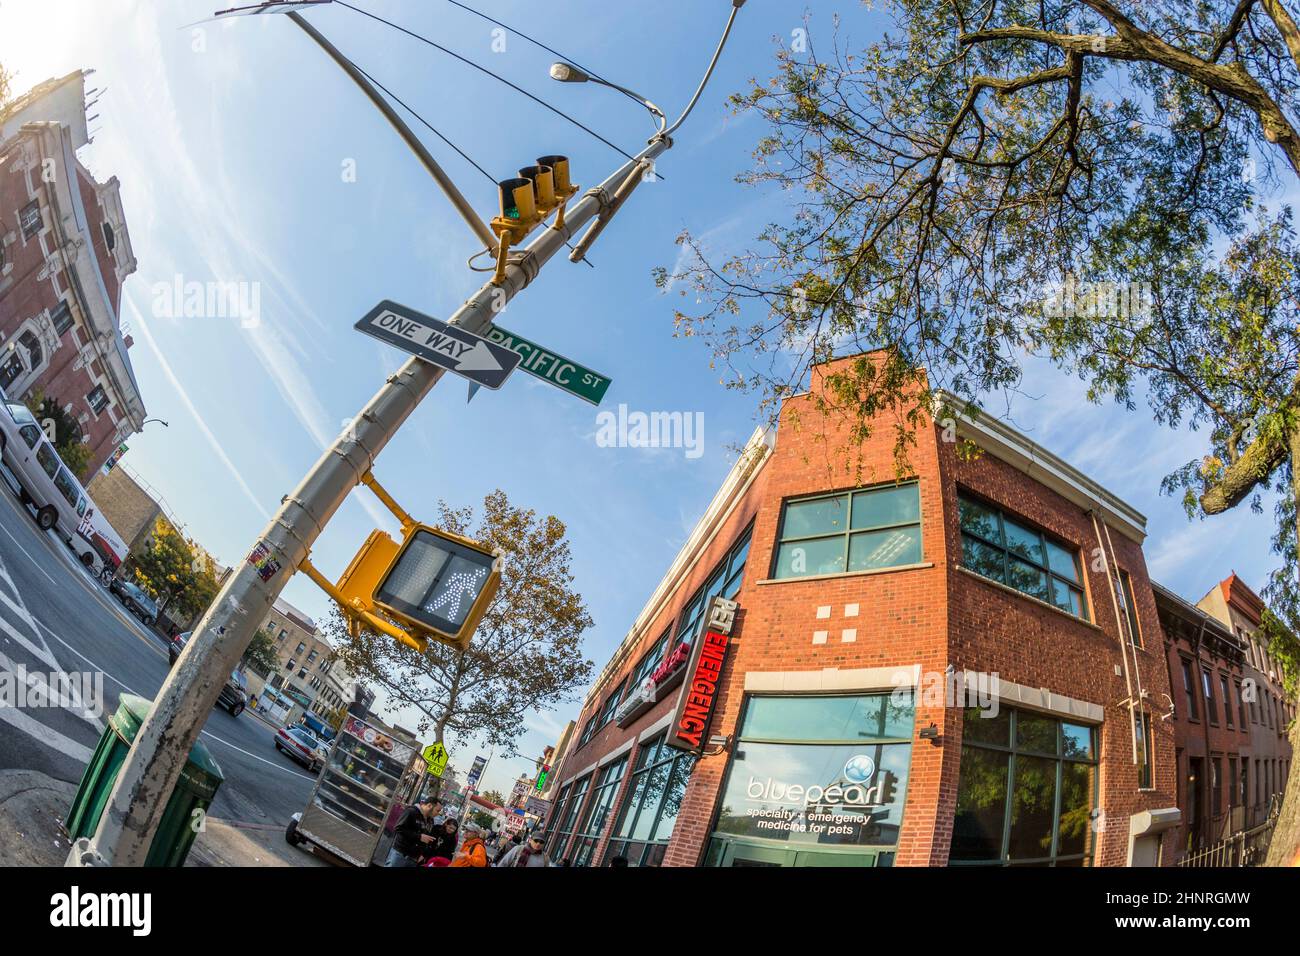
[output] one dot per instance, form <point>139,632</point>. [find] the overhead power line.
<point>496,76</point>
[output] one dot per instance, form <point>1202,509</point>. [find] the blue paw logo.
<point>859,769</point>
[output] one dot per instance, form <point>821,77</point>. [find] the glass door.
<point>735,853</point>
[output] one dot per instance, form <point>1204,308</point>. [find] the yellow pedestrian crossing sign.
<point>435,758</point>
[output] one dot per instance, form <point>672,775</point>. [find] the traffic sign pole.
<point>162,745</point>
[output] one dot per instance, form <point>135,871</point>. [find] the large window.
<point>1211,708</point>
<point>645,824</point>
<point>1026,793</point>
<point>998,547</point>
<point>1227,701</point>
<point>598,811</point>
<point>853,531</point>
<point>568,817</point>
<point>818,774</point>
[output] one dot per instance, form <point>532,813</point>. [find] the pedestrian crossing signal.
<point>440,584</point>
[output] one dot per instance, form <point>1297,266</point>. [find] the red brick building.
<point>1229,713</point>
<point>64,254</point>
<point>842,732</point>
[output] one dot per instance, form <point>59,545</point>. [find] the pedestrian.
<point>521,854</point>
<point>472,852</point>
<point>443,848</point>
<point>619,860</point>
<point>411,836</point>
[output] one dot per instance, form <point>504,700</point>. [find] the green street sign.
<point>551,367</point>
<point>435,758</point>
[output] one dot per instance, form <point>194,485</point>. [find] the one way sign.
<point>446,345</point>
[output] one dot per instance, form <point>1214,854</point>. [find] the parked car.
<point>299,744</point>
<point>45,483</point>
<point>234,696</point>
<point>134,600</point>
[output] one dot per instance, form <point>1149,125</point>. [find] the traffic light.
<point>526,200</point>
<point>440,584</point>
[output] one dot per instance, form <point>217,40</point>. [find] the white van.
<point>45,482</point>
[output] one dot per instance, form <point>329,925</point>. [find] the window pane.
<point>818,556</point>
<point>1063,596</point>
<point>738,556</point>
<point>828,718</point>
<point>820,516</point>
<point>885,549</point>
<point>886,506</point>
<point>979,726</point>
<point>672,803</point>
<point>1077,740</point>
<point>1063,562</point>
<point>1035,733</point>
<point>1023,542</point>
<point>982,559</point>
<point>1025,577</point>
<point>981,805</point>
<point>977,519</point>
<point>1033,808</point>
<point>652,796</point>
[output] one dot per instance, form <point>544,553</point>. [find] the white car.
<point>45,482</point>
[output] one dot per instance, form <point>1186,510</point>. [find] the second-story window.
<point>998,547</point>
<point>854,531</point>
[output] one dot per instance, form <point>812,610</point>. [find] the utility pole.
<point>162,745</point>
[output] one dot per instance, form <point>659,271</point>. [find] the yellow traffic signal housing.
<point>528,199</point>
<point>367,569</point>
<point>439,584</point>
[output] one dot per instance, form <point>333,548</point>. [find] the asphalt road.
<point>56,624</point>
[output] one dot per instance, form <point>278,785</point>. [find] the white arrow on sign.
<point>478,359</point>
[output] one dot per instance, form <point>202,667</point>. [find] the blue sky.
<point>231,146</point>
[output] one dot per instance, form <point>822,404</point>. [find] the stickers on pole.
<point>440,343</point>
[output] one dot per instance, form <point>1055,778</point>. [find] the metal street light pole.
<point>163,741</point>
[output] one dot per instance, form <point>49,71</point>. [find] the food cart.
<point>368,770</point>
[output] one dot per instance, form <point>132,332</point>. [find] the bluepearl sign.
<point>704,674</point>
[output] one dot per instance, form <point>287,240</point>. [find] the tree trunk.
<point>1284,848</point>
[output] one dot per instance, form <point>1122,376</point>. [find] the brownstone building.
<point>64,254</point>
<point>964,667</point>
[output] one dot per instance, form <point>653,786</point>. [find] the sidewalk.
<point>32,807</point>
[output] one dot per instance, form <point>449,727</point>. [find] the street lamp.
<point>158,420</point>
<point>568,73</point>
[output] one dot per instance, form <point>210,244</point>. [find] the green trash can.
<point>193,795</point>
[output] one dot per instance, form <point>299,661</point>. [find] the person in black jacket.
<point>411,836</point>
<point>444,841</point>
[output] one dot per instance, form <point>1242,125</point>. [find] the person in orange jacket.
<point>472,851</point>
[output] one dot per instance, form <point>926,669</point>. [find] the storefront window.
<point>569,819</point>
<point>1026,791</point>
<point>821,774</point>
<point>598,811</point>
<point>654,799</point>
<point>857,531</point>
